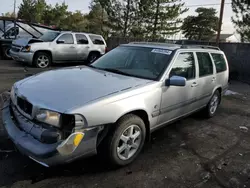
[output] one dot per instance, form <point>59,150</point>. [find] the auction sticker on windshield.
<point>161,51</point>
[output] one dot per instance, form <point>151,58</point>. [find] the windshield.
<point>49,36</point>
<point>139,62</point>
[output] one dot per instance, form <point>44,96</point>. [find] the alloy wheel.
<point>214,104</point>
<point>129,143</point>
<point>92,58</point>
<point>42,61</point>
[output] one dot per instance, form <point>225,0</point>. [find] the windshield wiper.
<point>116,71</point>
<point>91,66</point>
<point>110,70</point>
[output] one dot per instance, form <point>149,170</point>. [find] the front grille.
<point>24,105</point>
<point>15,48</point>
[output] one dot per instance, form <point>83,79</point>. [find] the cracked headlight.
<point>26,49</point>
<point>48,117</point>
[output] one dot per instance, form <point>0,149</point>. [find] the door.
<point>206,80</point>
<point>65,48</point>
<point>178,100</point>
<point>82,47</point>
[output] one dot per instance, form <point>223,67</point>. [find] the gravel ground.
<point>194,152</point>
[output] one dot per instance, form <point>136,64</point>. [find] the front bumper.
<point>45,154</point>
<point>26,57</point>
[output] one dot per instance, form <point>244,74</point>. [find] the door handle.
<point>72,47</point>
<point>213,79</point>
<point>194,84</point>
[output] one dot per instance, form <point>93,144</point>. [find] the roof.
<point>169,46</point>
<point>80,33</point>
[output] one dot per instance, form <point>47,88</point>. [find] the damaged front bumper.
<point>81,144</point>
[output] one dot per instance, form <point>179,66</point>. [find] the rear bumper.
<point>45,154</point>
<point>26,57</point>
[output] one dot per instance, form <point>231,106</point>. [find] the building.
<point>225,38</point>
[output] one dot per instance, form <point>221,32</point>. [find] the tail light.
<point>106,50</point>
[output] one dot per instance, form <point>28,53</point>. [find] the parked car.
<point>58,47</point>
<point>114,104</point>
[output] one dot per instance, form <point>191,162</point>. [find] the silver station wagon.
<point>112,106</point>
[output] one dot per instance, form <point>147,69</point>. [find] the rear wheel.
<point>42,60</point>
<point>213,104</point>
<point>93,56</point>
<point>126,141</point>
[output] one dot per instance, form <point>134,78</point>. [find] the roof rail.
<point>201,46</point>
<point>155,43</point>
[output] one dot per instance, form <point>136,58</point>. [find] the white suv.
<point>58,47</point>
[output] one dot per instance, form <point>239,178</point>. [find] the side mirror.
<point>176,81</point>
<point>60,41</point>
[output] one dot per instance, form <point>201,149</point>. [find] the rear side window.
<point>96,39</point>
<point>184,66</point>
<point>81,39</point>
<point>205,64</point>
<point>220,62</point>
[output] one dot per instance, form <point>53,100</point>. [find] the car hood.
<point>25,41</point>
<point>64,89</point>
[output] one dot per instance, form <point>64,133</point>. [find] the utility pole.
<point>15,18</point>
<point>220,22</point>
<point>15,8</point>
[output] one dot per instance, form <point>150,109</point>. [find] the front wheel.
<point>42,60</point>
<point>127,140</point>
<point>6,53</point>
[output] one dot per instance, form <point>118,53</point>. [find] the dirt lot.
<point>194,152</point>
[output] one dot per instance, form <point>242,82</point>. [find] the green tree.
<point>241,9</point>
<point>75,21</point>
<point>138,29</point>
<point>122,16</point>
<point>55,15</point>
<point>114,11</point>
<point>98,21</point>
<point>163,17</point>
<point>27,10</point>
<point>201,27</point>
<point>40,7</point>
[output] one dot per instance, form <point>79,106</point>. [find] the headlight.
<point>49,117</point>
<point>26,49</point>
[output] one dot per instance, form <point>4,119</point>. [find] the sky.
<point>82,5</point>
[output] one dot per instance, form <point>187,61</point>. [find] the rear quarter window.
<point>97,39</point>
<point>220,62</point>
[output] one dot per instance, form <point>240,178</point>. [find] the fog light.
<point>69,146</point>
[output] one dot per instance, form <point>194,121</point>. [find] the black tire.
<point>114,138</point>
<point>42,55</point>
<point>208,112</point>
<point>93,56</point>
<point>6,53</point>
